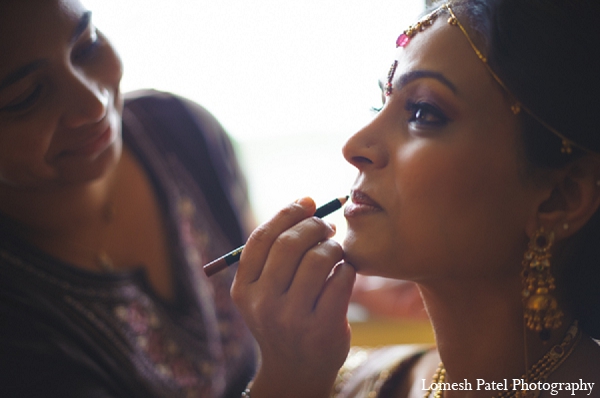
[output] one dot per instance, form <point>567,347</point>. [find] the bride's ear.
<point>573,198</point>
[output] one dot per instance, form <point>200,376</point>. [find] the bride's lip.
<point>361,204</point>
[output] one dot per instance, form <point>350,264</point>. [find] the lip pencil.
<point>234,256</point>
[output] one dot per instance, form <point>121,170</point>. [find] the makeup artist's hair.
<point>546,53</point>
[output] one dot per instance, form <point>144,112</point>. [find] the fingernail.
<point>332,226</point>
<point>304,202</point>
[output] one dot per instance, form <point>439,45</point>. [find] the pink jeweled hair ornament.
<point>404,39</point>
<point>411,31</point>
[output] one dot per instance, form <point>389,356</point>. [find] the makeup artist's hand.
<point>294,299</point>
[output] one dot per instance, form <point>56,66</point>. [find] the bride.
<point>479,179</point>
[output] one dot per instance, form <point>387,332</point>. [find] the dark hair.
<point>546,53</point>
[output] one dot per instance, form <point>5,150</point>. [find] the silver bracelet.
<point>246,392</point>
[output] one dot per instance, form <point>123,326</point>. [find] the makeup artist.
<point>109,207</point>
<point>479,179</point>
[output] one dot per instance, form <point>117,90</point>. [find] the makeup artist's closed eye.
<point>22,88</point>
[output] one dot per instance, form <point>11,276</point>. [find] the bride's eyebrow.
<point>425,74</point>
<point>82,25</point>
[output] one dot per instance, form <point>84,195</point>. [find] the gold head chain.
<point>428,20</point>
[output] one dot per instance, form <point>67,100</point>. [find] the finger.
<point>332,305</point>
<point>259,244</point>
<point>311,276</point>
<point>289,249</point>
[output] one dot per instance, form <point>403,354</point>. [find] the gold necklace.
<point>548,363</point>
<point>539,371</point>
<point>438,378</point>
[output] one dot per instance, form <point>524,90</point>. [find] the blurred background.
<point>289,80</point>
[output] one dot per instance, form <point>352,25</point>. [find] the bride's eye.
<point>424,114</point>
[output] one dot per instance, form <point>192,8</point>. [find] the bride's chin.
<point>368,260</point>
<point>354,257</point>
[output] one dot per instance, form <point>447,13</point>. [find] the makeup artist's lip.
<point>361,204</point>
<point>97,141</point>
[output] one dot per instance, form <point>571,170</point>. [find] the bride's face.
<point>60,105</point>
<point>440,190</point>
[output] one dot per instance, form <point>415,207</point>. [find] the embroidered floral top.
<point>69,332</point>
<point>376,372</point>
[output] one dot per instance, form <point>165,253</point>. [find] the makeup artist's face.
<point>440,189</point>
<point>60,103</point>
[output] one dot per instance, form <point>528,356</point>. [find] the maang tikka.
<point>541,311</point>
<point>404,39</point>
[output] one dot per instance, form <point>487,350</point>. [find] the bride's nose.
<point>366,148</point>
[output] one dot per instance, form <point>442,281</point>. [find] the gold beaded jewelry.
<point>420,26</point>
<point>541,308</point>
<point>547,364</point>
<point>439,377</point>
<point>538,372</point>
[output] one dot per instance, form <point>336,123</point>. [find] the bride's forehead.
<point>441,47</point>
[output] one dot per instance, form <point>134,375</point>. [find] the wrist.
<point>277,385</point>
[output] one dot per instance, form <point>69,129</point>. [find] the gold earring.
<point>541,308</point>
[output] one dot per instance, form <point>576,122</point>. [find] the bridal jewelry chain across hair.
<point>428,20</point>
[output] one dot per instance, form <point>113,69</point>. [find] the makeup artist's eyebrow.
<point>23,71</point>
<point>423,74</point>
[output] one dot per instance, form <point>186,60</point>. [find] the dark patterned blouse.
<point>68,332</point>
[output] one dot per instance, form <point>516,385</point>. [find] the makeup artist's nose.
<point>363,150</point>
<point>86,100</point>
